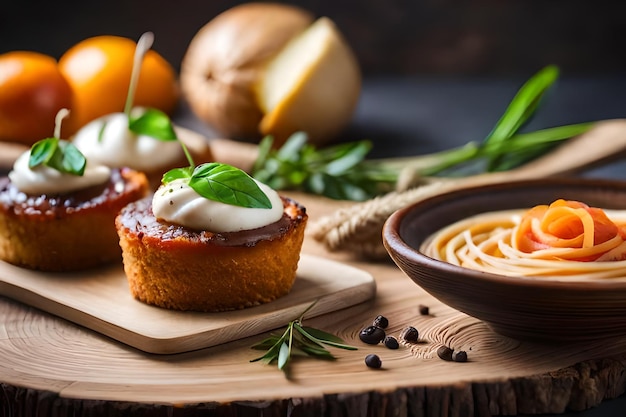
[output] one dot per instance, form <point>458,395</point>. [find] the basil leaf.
<point>58,154</point>
<point>153,123</point>
<point>176,173</point>
<point>229,185</point>
<point>41,152</point>
<point>70,160</point>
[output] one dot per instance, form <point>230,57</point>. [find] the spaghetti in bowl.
<point>460,247</point>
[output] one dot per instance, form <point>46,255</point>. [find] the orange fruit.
<point>32,91</point>
<point>99,71</point>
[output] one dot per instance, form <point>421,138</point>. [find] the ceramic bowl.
<point>545,310</point>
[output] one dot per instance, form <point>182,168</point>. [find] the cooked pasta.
<point>565,238</point>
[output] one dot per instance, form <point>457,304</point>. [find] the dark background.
<point>400,37</point>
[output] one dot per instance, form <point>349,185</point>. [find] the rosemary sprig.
<point>343,172</point>
<point>298,340</point>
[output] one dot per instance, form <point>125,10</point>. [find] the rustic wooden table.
<point>52,367</point>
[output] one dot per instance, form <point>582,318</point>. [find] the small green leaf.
<point>336,171</point>
<point>347,156</point>
<point>267,358</point>
<point>265,147</point>
<point>323,336</point>
<point>319,353</point>
<point>58,154</point>
<point>176,174</point>
<point>266,343</point>
<point>41,152</point>
<point>301,352</point>
<point>153,123</point>
<point>71,160</point>
<point>273,351</point>
<point>292,147</point>
<point>229,185</point>
<point>320,336</point>
<point>283,355</point>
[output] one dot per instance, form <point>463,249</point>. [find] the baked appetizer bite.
<point>143,140</point>
<point>211,239</point>
<point>57,209</point>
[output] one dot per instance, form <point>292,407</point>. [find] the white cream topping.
<point>45,180</point>
<point>107,140</point>
<point>178,203</point>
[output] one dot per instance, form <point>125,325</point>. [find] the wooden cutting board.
<point>100,300</point>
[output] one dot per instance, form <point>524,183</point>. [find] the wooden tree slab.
<point>53,367</point>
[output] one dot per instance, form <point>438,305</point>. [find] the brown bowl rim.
<point>393,242</point>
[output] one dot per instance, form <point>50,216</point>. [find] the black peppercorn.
<point>373,361</point>
<point>381,321</point>
<point>410,334</point>
<point>372,335</point>
<point>391,342</point>
<point>424,310</point>
<point>445,353</point>
<point>459,356</point>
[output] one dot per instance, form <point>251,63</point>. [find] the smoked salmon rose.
<point>587,231</point>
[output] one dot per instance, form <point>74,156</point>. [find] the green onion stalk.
<point>343,171</point>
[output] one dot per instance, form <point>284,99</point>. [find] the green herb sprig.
<point>58,154</point>
<point>343,172</point>
<point>337,172</point>
<point>151,122</point>
<point>298,340</point>
<point>222,183</point>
